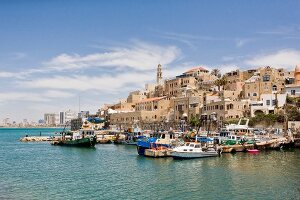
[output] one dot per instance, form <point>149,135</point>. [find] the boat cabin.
<point>165,137</point>
<point>82,133</point>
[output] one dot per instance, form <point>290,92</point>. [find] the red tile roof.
<point>195,69</point>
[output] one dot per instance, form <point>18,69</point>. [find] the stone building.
<point>266,80</point>
<point>188,80</point>
<point>236,79</point>
<point>268,104</point>
<point>147,113</point>
<point>226,109</point>
<point>294,89</point>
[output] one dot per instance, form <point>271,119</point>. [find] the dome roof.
<point>297,68</point>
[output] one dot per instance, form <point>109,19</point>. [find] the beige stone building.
<point>148,114</point>
<point>266,80</point>
<point>226,109</point>
<point>236,79</point>
<point>188,80</point>
<point>174,87</point>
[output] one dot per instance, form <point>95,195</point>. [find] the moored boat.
<point>81,138</point>
<point>166,139</point>
<point>193,150</point>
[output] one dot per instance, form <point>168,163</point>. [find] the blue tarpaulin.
<point>205,139</point>
<point>95,120</point>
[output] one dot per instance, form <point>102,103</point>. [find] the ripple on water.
<point>42,171</point>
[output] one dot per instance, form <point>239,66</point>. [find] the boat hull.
<point>191,155</point>
<point>253,151</point>
<point>141,150</point>
<point>84,142</point>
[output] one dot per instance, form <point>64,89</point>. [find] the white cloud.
<point>21,96</point>
<point>140,56</point>
<point>83,83</point>
<point>33,96</point>
<point>57,94</point>
<point>6,74</point>
<point>283,58</point>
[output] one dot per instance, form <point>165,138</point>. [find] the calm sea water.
<point>42,171</point>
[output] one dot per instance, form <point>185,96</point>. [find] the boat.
<point>145,143</point>
<point>193,150</point>
<point>253,151</point>
<point>80,138</point>
<point>166,139</point>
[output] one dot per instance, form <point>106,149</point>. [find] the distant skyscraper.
<point>6,122</point>
<point>83,114</point>
<point>49,119</point>
<point>69,115</point>
<point>62,118</point>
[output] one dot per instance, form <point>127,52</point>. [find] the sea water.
<point>42,171</point>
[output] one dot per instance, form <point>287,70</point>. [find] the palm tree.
<point>221,82</point>
<point>218,83</point>
<point>216,72</point>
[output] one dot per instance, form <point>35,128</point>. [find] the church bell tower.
<point>159,75</point>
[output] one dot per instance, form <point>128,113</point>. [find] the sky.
<point>52,52</point>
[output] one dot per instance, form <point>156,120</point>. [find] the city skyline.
<point>52,52</point>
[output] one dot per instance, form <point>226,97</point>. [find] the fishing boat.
<point>166,139</point>
<point>81,138</point>
<point>193,150</point>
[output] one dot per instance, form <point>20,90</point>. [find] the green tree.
<point>216,72</point>
<point>194,122</point>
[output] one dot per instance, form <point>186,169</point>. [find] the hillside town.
<point>202,96</point>
<point>267,95</point>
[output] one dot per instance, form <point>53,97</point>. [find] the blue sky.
<point>53,51</point>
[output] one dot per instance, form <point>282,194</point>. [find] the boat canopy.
<point>96,120</point>
<point>205,139</point>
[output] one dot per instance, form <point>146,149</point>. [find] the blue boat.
<point>157,140</point>
<point>145,143</point>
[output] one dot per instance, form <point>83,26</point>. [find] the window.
<point>274,88</point>
<point>268,102</point>
<point>274,102</point>
<point>266,78</point>
<point>254,94</point>
<point>293,92</point>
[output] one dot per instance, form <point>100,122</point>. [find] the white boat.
<point>193,150</point>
